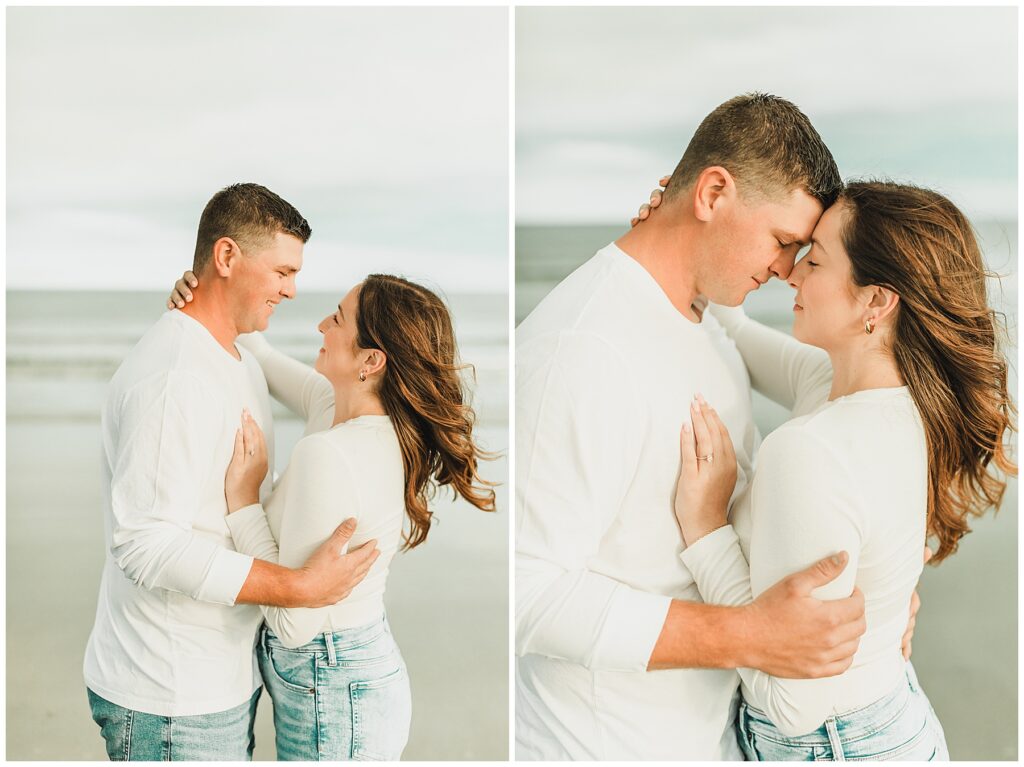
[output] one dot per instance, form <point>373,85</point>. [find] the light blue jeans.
<point>226,736</point>
<point>344,695</point>
<point>902,726</point>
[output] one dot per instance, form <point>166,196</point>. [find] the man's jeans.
<point>900,727</point>
<point>136,736</point>
<point>344,695</point>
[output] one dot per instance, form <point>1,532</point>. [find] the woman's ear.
<point>375,362</point>
<point>882,303</point>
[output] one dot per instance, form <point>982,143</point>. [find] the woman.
<point>899,412</point>
<point>385,421</point>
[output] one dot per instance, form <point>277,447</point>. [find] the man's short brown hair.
<point>250,215</point>
<point>767,144</point>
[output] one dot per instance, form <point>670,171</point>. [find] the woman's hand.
<point>181,293</point>
<point>647,207</point>
<point>248,465</point>
<point>707,475</point>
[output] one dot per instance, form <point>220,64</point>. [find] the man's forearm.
<point>697,635</point>
<point>273,585</point>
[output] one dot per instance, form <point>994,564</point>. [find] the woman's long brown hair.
<point>945,340</point>
<point>421,390</point>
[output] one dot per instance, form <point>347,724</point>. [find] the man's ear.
<point>713,186</point>
<point>225,254</point>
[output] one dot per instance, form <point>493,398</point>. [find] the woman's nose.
<point>796,275</point>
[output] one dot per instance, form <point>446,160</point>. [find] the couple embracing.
<point>675,598</point>
<point>217,581</point>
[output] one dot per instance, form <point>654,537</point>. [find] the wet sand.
<point>447,604</point>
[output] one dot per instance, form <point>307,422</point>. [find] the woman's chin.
<point>799,334</point>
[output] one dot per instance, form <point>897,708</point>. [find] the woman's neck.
<point>350,404</point>
<point>860,369</point>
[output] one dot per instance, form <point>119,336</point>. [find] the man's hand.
<point>915,605</point>
<point>647,207</point>
<point>795,636</point>
<point>328,576</point>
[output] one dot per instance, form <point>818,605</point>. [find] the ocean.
<point>965,643</point>
<point>447,600</point>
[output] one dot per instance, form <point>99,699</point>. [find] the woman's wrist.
<point>707,518</point>
<point>693,532</point>
<point>241,500</point>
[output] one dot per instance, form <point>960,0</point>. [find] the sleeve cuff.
<point>251,533</point>
<point>225,577</point>
<point>708,549</point>
<point>631,628</point>
<point>243,519</point>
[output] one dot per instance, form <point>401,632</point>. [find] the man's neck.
<point>662,250</point>
<point>210,310</point>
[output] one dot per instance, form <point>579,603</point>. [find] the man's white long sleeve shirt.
<point>168,638</point>
<point>605,371</point>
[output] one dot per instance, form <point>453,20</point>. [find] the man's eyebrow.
<point>790,237</point>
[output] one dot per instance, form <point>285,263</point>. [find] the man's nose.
<point>782,266</point>
<point>288,289</point>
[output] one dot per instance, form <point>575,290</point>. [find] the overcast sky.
<point>387,128</point>
<point>607,98</point>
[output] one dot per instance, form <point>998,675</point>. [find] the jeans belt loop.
<point>332,659</point>
<point>834,741</point>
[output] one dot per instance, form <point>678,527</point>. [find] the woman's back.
<point>851,476</point>
<point>351,470</point>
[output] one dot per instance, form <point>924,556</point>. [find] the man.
<point>169,667</point>
<point>617,657</point>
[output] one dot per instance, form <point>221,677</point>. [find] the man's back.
<point>606,368</point>
<point>168,639</point>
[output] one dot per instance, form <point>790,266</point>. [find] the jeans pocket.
<point>115,725</point>
<point>295,671</point>
<point>381,714</point>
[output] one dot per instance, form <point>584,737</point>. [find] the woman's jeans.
<point>341,696</point>
<point>225,736</point>
<point>901,726</point>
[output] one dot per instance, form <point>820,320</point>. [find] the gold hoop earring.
<point>868,327</point>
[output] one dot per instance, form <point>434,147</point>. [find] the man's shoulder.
<point>163,361</point>
<point>592,299</point>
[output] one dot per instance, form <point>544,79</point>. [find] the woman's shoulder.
<point>356,441</point>
<point>839,429</point>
